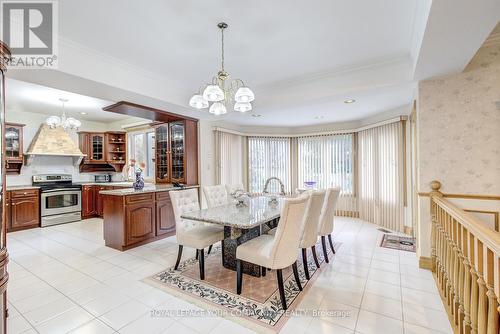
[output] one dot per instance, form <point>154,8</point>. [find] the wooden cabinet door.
<point>177,152</point>
<point>97,152</point>
<point>25,212</point>
<point>165,218</point>
<point>84,143</point>
<point>88,202</point>
<point>8,211</point>
<point>162,159</point>
<point>140,222</point>
<point>98,200</point>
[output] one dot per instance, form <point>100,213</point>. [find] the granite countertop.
<point>111,184</point>
<point>21,187</point>
<point>148,188</point>
<point>259,210</point>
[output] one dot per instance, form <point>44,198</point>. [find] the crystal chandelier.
<point>217,97</point>
<point>63,121</point>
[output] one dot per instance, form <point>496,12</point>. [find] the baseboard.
<point>408,230</point>
<point>425,262</point>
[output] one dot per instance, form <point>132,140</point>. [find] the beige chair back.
<point>310,235</point>
<point>328,211</point>
<point>289,231</point>
<point>184,201</point>
<point>231,188</point>
<point>215,195</point>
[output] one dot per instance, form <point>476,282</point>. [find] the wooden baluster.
<point>492,321</point>
<point>482,303</point>
<point>459,282</point>
<point>466,281</point>
<point>473,284</point>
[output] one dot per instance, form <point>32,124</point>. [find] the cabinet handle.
<point>25,193</point>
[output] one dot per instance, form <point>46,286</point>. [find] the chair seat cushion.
<point>257,251</point>
<point>200,236</point>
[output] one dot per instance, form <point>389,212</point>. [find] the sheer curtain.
<point>229,158</point>
<point>381,182</point>
<point>267,157</point>
<point>329,161</point>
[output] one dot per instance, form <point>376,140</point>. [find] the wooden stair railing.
<point>466,264</point>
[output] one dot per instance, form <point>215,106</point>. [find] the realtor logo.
<point>29,28</point>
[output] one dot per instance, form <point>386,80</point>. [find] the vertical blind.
<point>268,157</point>
<point>381,182</point>
<point>229,157</point>
<point>328,160</point>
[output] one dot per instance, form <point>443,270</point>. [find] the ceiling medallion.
<point>217,97</point>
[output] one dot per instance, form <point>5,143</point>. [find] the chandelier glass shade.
<point>217,96</point>
<point>63,121</point>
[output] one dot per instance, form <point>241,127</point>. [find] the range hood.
<point>53,142</point>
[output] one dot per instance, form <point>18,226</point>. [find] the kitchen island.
<point>137,217</point>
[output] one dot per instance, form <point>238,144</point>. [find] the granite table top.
<point>259,210</point>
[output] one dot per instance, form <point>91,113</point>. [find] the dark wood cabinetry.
<point>133,220</point>
<point>176,145</point>
<point>13,147</point>
<point>88,201</point>
<point>22,209</point>
<point>165,219</point>
<point>92,200</point>
<point>140,221</point>
<point>105,151</point>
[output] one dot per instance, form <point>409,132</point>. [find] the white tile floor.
<point>63,279</point>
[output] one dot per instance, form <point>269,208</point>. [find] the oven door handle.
<point>60,190</point>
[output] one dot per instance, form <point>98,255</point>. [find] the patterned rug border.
<point>387,235</point>
<point>247,321</point>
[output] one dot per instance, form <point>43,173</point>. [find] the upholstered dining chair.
<point>277,251</point>
<point>215,195</point>
<point>231,188</point>
<point>310,235</point>
<point>190,233</point>
<point>326,218</point>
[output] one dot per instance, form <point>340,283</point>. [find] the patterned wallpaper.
<point>459,128</point>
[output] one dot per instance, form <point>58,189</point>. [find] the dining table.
<point>243,220</point>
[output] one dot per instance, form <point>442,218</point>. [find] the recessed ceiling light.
<point>256,115</point>
<point>319,117</point>
<point>83,113</point>
<point>350,101</point>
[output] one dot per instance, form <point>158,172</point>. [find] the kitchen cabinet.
<point>116,149</point>
<point>13,147</point>
<point>22,209</point>
<point>136,219</point>
<point>176,145</point>
<point>88,201</point>
<point>140,221</point>
<point>165,219</point>
<point>96,145</point>
<point>105,151</point>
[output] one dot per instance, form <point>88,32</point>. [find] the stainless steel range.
<point>60,199</point>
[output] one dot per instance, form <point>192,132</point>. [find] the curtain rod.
<point>322,133</point>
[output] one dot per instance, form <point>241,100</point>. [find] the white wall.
<point>43,165</point>
<point>206,158</point>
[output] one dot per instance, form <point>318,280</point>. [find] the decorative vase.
<point>139,182</point>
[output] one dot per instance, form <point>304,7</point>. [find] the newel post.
<point>435,186</point>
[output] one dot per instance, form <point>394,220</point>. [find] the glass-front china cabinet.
<point>176,145</point>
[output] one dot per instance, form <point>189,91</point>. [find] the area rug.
<point>399,242</point>
<point>258,307</point>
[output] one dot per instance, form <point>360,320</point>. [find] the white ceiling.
<point>24,96</point>
<point>302,58</point>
